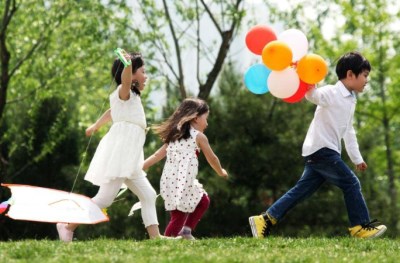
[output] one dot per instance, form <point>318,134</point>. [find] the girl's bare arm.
<point>106,117</point>
<point>212,159</point>
<point>155,157</point>
<point>126,81</point>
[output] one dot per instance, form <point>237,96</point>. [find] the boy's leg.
<point>339,174</point>
<point>175,224</point>
<point>309,182</point>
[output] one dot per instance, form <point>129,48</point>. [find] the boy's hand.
<point>361,167</point>
<point>311,86</point>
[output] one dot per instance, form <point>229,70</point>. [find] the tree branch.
<point>157,43</point>
<point>198,44</point>
<point>177,50</point>
<point>27,56</point>
<point>8,14</point>
<point>212,17</point>
<point>205,89</point>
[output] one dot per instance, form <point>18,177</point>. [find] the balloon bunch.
<point>287,70</point>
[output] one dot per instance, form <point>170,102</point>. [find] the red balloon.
<point>300,93</point>
<point>258,36</point>
<point>3,207</point>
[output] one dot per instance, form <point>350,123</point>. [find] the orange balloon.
<point>312,68</point>
<point>277,55</point>
<point>258,36</point>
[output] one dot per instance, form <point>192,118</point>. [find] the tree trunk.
<point>9,10</point>
<point>389,155</point>
<point>205,88</point>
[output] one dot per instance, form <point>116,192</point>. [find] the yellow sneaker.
<point>369,230</point>
<point>261,225</point>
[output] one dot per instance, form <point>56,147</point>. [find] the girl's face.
<point>201,122</point>
<point>140,76</point>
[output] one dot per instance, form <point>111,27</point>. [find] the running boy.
<point>333,121</point>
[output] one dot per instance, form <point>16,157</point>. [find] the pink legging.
<point>180,219</point>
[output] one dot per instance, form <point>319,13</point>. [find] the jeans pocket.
<point>322,155</point>
<point>343,170</point>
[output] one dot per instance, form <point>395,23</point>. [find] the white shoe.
<point>64,233</point>
<point>186,235</point>
<point>170,238</point>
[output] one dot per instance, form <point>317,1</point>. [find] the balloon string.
<point>91,135</point>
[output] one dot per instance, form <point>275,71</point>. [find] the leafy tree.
<point>55,66</point>
<point>175,30</point>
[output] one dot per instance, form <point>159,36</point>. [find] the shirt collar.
<point>343,90</point>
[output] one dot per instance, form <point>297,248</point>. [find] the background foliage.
<point>57,80</point>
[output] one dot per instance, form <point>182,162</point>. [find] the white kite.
<point>40,204</point>
<point>136,206</point>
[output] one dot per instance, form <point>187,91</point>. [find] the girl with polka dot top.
<point>183,137</point>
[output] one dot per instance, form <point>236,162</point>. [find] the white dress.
<point>179,187</point>
<point>120,152</point>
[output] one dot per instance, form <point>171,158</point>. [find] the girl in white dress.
<point>119,156</point>
<point>183,138</point>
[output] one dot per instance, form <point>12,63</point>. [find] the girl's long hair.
<point>177,126</point>
<point>118,67</point>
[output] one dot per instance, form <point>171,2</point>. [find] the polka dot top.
<point>179,187</point>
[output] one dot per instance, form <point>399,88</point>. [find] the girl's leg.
<point>175,224</point>
<point>194,217</point>
<point>153,231</point>
<point>107,193</point>
<point>104,198</point>
<point>147,196</point>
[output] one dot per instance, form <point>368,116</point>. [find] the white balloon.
<point>297,42</point>
<point>283,84</point>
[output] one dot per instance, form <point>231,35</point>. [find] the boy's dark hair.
<point>353,61</point>
<point>118,67</point>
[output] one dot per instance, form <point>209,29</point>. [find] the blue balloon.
<point>256,77</point>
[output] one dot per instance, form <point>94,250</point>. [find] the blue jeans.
<point>325,165</point>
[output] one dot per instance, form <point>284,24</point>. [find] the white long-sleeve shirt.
<point>333,121</point>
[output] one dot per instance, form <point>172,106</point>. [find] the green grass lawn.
<point>240,249</point>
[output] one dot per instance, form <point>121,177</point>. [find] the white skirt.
<point>118,155</point>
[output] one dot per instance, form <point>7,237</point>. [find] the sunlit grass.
<point>273,249</point>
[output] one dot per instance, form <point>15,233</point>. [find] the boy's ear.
<point>349,74</point>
